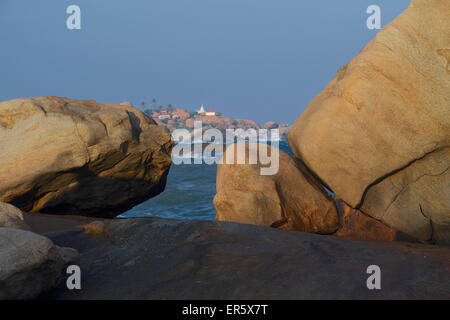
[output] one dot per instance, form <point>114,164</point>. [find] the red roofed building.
<point>211,112</point>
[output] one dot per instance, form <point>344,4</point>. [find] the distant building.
<point>181,114</point>
<point>164,116</point>
<point>211,112</point>
<point>201,110</point>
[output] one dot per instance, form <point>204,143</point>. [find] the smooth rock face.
<point>174,259</point>
<point>416,200</point>
<point>379,134</point>
<point>11,217</point>
<point>80,157</point>
<point>290,199</point>
<point>29,263</point>
<point>357,225</point>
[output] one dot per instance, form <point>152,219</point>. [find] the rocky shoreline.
<point>377,139</point>
<point>155,258</point>
<point>152,258</point>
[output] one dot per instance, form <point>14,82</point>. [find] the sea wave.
<point>189,192</point>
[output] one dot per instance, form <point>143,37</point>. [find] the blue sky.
<point>256,59</point>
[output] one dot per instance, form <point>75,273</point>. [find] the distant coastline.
<point>177,118</point>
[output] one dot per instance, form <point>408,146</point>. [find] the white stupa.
<point>202,110</point>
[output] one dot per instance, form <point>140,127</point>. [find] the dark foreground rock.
<point>78,156</point>
<point>29,263</point>
<point>173,259</point>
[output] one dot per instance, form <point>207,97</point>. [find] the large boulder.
<point>289,199</point>
<point>11,217</point>
<point>29,263</point>
<point>66,156</point>
<point>379,134</point>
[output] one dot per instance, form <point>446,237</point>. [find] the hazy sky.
<point>256,59</point>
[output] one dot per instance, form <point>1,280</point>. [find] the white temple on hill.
<point>202,110</point>
<point>211,112</point>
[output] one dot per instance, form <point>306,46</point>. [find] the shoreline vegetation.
<point>377,138</point>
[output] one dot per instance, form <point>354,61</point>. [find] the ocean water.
<point>189,193</point>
